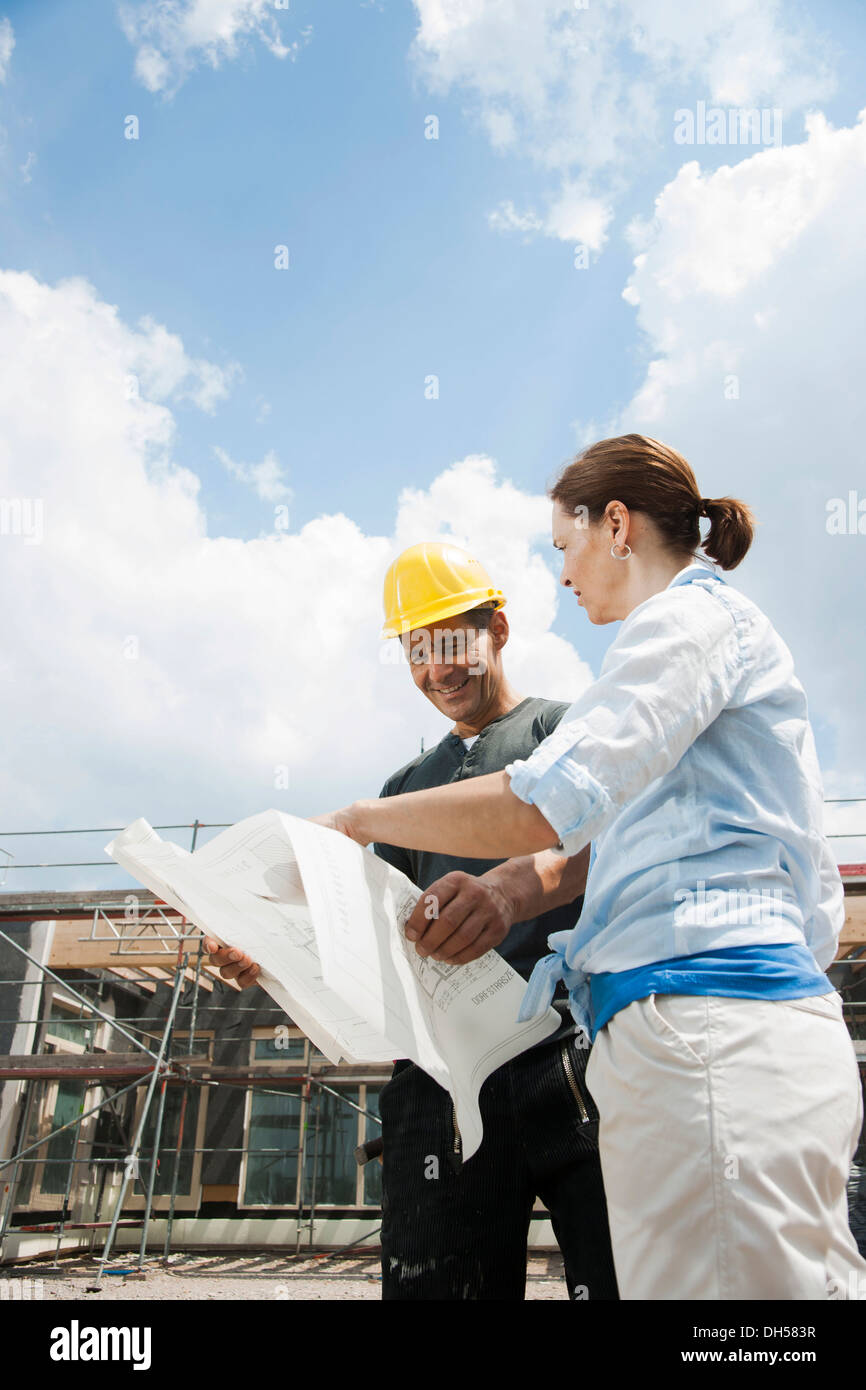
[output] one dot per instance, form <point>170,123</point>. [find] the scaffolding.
<point>144,943</point>
<point>153,1070</point>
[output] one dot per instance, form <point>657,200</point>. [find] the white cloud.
<point>573,215</point>
<point>7,43</point>
<point>172,37</point>
<point>577,216</point>
<point>506,218</point>
<point>751,289</point>
<point>586,92</point>
<point>166,369</point>
<point>150,668</point>
<point>268,478</point>
<point>500,126</point>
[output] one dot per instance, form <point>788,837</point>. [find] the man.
<point>449,1230</point>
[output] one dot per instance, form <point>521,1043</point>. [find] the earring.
<point>620,557</point>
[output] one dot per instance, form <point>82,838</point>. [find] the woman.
<point>725,1078</point>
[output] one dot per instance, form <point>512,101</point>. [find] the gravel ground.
<point>191,1277</point>
<point>198,1276</point>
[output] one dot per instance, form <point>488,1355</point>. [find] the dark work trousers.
<point>459,1231</point>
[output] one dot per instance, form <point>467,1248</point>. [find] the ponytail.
<point>732,528</point>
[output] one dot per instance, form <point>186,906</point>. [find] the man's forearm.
<point>537,883</point>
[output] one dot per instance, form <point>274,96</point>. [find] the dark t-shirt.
<point>514,735</point>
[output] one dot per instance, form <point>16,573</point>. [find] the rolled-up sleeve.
<point>674,667</point>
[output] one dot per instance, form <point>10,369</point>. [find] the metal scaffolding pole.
<point>132,1158</point>
<point>315,1170</point>
<point>154,1165</point>
<point>302,1162</point>
<point>169,1226</point>
<point>157,1133</point>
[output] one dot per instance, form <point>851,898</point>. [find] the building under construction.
<point>145,1099</point>
<point>149,1106</point>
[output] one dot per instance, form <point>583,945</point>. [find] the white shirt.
<point>691,765</point>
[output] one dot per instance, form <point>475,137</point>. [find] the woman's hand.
<point>345,820</point>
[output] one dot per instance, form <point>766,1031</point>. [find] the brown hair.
<point>481,615</point>
<point>648,476</point>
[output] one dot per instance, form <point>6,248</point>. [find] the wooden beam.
<point>70,952</point>
<point>133,976</point>
<point>204,980</point>
<point>95,1066</point>
<point>144,974</point>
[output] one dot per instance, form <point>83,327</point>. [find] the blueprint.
<point>324,918</point>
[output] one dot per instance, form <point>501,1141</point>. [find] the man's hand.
<point>460,918</point>
<point>233,964</point>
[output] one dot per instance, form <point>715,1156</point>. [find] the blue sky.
<point>394,271</point>
<point>399,269</point>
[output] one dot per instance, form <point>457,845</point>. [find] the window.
<point>48,1172</point>
<point>372,1171</point>
<point>330,1169</point>
<point>273,1139</point>
<point>69,1028</point>
<point>299,1144</point>
<point>69,1023</point>
<point>286,1046</point>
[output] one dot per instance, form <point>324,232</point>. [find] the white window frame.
<point>300,1066</point>
<point>46,1103</point>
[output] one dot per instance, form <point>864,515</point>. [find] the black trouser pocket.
<point>574,1059</point>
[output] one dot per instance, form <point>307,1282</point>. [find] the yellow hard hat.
<point>431,581</point>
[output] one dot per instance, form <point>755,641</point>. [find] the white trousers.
<point>727,1130</point>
